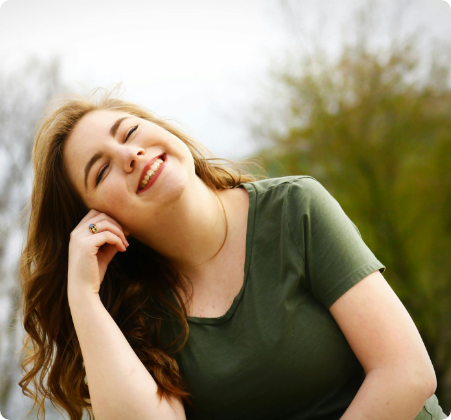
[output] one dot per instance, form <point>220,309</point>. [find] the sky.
<point>197,61</point>
<point>203,63</point>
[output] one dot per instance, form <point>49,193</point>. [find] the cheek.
<point>119,210</point>
<point>116,199</point>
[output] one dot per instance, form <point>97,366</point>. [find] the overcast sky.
<point>200,62</point>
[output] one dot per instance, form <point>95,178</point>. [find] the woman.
<point>136,239</point>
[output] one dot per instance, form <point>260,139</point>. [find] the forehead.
<point>96,124</point>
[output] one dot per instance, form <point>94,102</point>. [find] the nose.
<point>130,157</point>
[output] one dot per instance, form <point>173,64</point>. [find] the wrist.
<point>79,296</point>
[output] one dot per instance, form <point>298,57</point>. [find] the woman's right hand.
<point>90,254</point>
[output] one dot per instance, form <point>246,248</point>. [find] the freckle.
<point>388,403</point>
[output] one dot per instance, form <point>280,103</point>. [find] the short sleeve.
<point>334,253</point>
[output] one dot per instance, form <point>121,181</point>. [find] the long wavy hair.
<point>138,303</point>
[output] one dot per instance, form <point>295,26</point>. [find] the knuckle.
<point>114,222</point>
<point>116,230</point>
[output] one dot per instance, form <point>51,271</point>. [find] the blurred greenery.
<point>374,127</point>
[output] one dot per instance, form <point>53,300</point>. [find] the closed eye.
<point>99,178</point>
<point>130,132</point>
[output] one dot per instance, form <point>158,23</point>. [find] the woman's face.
<point>126,144</point>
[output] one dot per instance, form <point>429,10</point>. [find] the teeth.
<point>151,172</point>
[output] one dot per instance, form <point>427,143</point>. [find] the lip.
<point>163,157</point>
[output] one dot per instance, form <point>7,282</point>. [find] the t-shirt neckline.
<point>249,238</point>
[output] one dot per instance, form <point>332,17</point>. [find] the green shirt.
<point>278,353</point>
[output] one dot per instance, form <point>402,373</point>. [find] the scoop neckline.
<point>249,238</point>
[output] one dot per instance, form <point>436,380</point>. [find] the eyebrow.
<point>98,155</point>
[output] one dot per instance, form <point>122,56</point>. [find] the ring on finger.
<point>93,228</point>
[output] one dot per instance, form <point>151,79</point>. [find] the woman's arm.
<point>120,386</point>
<point>400,376</point>
<point>387,394</point>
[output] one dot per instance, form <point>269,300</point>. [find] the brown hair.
<point>137,305</point>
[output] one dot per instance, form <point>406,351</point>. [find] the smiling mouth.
<point>152,172</point>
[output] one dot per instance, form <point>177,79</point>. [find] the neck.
<point>194,233</point>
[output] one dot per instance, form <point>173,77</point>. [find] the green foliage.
<point>375,129</point>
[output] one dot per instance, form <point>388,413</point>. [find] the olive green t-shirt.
<point>278,353</point>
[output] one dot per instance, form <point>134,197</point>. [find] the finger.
<point>106,225</point>
<point>90,214</point>
<point>104,216</point>
<point>107,237</point>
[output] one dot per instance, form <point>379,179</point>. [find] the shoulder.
<point>280,183</point>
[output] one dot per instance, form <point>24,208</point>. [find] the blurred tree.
<point>23,95</point>
<point>374,128</point>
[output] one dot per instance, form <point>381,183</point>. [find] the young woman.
<point>158,283</point>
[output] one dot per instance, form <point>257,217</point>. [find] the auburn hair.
<point>137,303</point>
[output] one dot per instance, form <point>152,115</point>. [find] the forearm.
<point>384,395</point>
<point>120,386</point>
